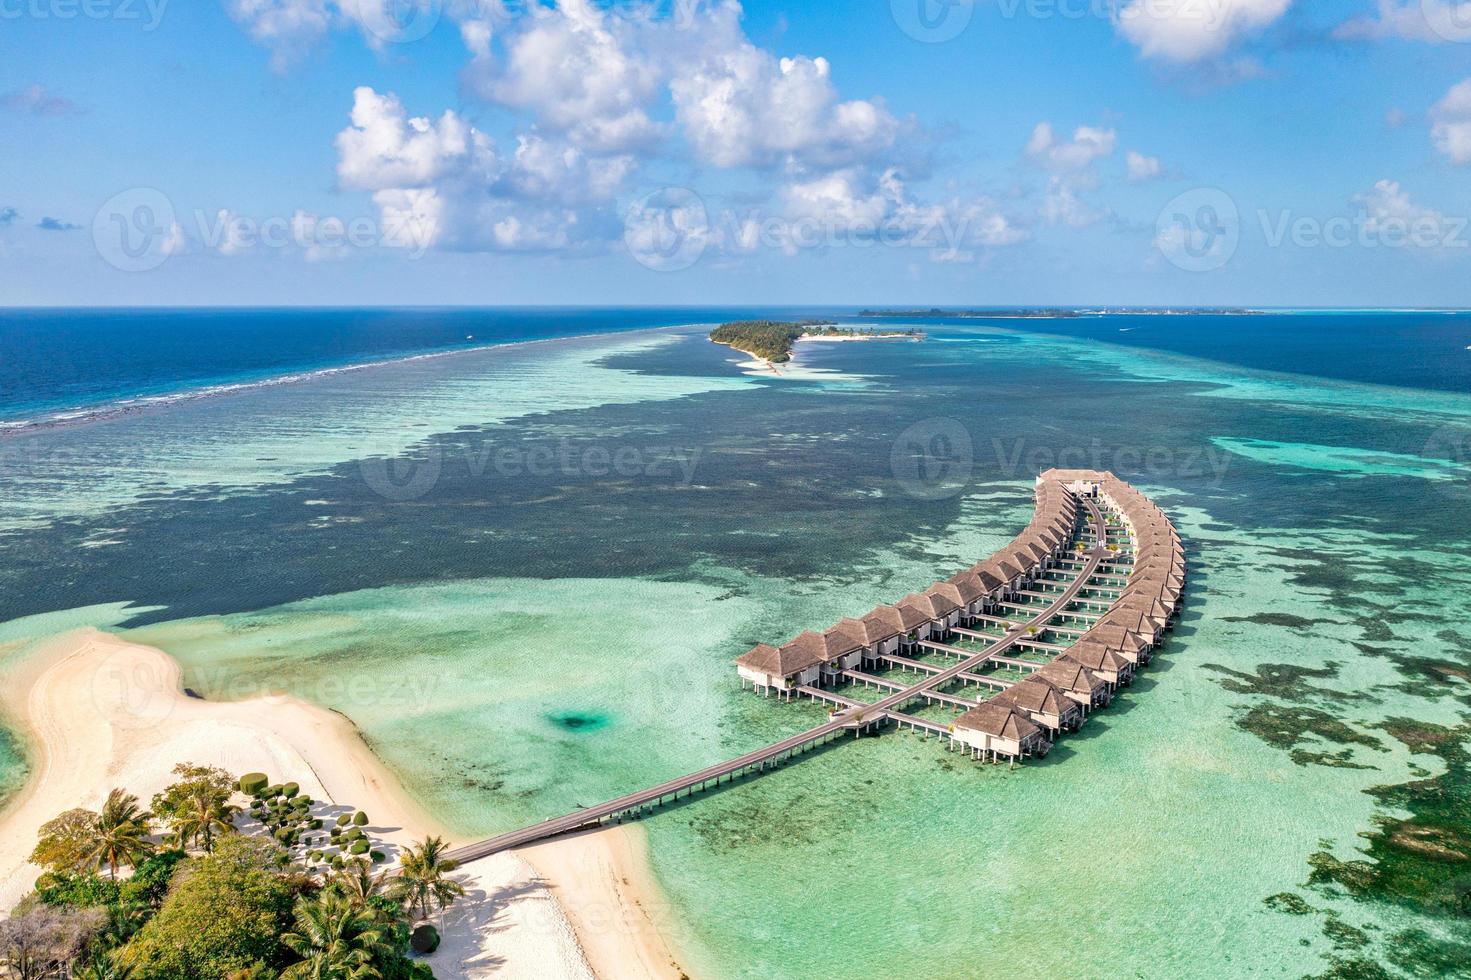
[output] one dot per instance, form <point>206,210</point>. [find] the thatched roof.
<point>999,720</point>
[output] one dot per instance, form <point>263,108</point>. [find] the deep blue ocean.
<point>58,361</point>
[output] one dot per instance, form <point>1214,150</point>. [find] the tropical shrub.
<point>424,940</point>
<point>360,819</point>
<point>254,783</point>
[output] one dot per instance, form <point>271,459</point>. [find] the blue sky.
<point>1069,152</point>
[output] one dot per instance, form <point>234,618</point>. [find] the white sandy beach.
<point>794,370</point>
<point>99,712</point>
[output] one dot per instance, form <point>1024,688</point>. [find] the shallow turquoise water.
<point>516,646</point>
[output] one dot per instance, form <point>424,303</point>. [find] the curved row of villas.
<point>816,658</point>
<point>1142,598</point>
<point>1026,718</point>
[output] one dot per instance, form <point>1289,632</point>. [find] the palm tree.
<point>356,883</point>
<point>200,817</point>
<point>334,940</point>
<point>422,878</point>
<point>121,833</point>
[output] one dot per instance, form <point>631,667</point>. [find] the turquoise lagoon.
<point>518,640</point>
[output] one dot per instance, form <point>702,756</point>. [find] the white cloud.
<point>1451,131</point>
<point>850,206</point>
<point>1388,202</point>
<point>1141,167</point>
<point>442,182</point>
<point>739,105</point>
<point>1088,145</point>
<point>578,70</point>
<point>291,28</point>
<point>1072,168</point>
<point>599,77</point>
<point>1062,206</point>
<point>1431,21</point>
<point>385,148</point>
<point>1392,219</point>
<point>288,27</point>
<point>1185,31</point>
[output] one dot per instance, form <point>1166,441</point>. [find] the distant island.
<point>773,340</point>
<point>1055,313</point>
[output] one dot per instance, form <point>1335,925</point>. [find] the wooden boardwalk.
<point>854,719</point>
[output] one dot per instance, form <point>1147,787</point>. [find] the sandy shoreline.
<point>760,366</point>
<point>98,712</point>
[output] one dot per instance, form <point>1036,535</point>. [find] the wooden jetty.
<point>1099,554</point>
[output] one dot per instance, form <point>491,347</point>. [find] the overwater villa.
<point>996,730</point>
<point>1080,601</point>
<point>1045,704</point>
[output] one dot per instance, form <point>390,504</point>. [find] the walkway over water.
<point>850,716</point>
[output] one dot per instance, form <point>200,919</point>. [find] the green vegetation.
<point>246,902</point>
<point>772,340</point>
<point>226,912</point>
<point>423,878</point>
<point>254,783</point>
<point>80,840</point>
<point>197,808</point>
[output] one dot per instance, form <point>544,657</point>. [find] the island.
<point>772,340</point>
